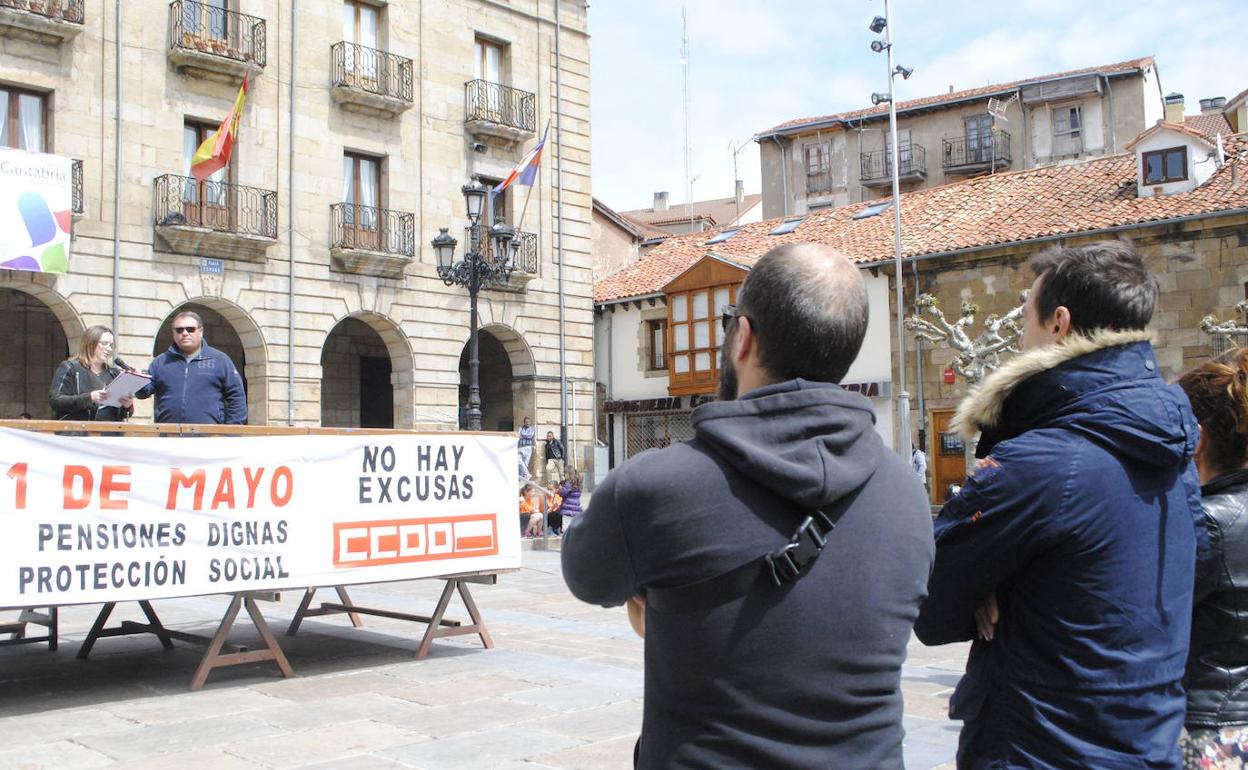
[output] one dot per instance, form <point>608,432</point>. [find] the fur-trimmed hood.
<point>981,410</point>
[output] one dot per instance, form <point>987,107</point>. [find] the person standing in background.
<point>528,436</point>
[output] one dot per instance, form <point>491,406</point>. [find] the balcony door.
<point>978,138</point>
<point>207,203</point>
<point>488,67</point>
<point>206,18</point>
<point>361,191</point>
<point>905,155</point>
<point>360,22</point>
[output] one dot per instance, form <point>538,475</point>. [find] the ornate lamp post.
<point>480,268</point>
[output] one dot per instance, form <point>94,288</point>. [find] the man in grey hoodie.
<point>764,649</point>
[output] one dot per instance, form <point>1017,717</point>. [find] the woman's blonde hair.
<point>89,339</point>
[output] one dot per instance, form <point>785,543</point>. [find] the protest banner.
<point>108,519</point>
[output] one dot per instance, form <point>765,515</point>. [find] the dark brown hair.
<point>1104,285</point>
<point>1218,391</point>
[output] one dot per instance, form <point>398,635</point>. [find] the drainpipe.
<point>563,370</point>
<point>117,183</point>
<point>290,226</point>
<point>784,174</point>
<point>1113,124</point>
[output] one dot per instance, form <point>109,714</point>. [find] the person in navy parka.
<point>1071,551</point>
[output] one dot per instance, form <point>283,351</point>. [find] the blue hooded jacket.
<point>1084,521</point>
<point>204,391</point>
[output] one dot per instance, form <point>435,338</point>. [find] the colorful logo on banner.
<point>36,213</point>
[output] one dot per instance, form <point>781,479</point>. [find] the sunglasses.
<point>185,329</point>
<point>730,313</point>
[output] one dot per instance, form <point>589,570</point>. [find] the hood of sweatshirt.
<point>808,442</point>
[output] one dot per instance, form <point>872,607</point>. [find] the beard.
<point>727,375</point>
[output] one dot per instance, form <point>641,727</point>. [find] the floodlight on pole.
<point>879,23</point>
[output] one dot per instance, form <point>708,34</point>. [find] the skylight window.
<point>874,210</point>
<point>724,235</point>
<point>787,226</point>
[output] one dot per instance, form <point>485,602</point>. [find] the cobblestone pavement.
<point>562,689</point>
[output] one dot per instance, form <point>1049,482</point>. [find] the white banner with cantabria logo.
<point>107,519</point>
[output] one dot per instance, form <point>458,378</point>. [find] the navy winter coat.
<point>206,390</point>
<point>1085,523</point>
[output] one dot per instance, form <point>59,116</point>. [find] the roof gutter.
<point>627,300</point>
<point>822,123</point>
<point>1243,210</point>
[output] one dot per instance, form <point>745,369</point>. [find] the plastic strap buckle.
<point>787,563</point>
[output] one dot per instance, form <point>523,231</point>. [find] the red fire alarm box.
<point>949,377</point>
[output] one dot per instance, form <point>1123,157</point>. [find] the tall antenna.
<point>684,63</point>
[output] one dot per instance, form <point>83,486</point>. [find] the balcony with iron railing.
<point>526,256</point>
<point>376,81</point>
<point>977,153</point>
<point>493,109</point>
<point>214,219</point>
<point>876,168</point>
<point>44,21</point>
<point>214,43</point>
<point>367,240</point>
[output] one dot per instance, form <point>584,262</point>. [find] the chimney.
<point>1212,106</point>
<point>740,194</point>
<point>660,201</point>
<point>1174,108</point>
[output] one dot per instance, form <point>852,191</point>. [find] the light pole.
<point>477,270</point>
<point>892,156</point>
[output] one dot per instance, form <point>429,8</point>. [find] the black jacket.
<point>1217,667</point>
<point>70,394</point>
<point>803,676</point>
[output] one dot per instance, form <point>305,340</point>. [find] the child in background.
<point>554,519</point>
<point>526,509</point>
<point>534,510</point>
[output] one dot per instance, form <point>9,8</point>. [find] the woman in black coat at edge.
<point>1216,734</point>
<point>78,387</point>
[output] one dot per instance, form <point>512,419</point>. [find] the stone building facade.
<point>309,257</point>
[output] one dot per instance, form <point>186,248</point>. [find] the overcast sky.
<point>756,63</point>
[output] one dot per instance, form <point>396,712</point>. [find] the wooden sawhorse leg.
<point>127,627</point>
<point>305,610</point>
<point>215,658</point>
<point>438,628</point>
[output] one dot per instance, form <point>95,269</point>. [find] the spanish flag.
<point>214,154</point>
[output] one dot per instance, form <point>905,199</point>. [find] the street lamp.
<point>489,260</point>
<point>880,24</point>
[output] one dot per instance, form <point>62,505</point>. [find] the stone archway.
<point>366,374</point>
<point>228,328</point>
<point>38,329</point>
<point>505,376</point>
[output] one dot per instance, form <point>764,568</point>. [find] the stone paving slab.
<point>562,689</point>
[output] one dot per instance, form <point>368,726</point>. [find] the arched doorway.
<point>35,341</point>
<point>505,377</point>
<point>357,383</point>
<point>220,333</point>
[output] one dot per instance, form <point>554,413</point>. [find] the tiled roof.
<point>720,212</point>
<point>998,209</point>
<point>1235,99</point>
<point>1177,128</point>
<point>1209,125</point>
<point>954,96</point>
<point>648,232</point>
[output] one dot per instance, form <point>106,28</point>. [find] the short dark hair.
<point>808,306</point>
<point>1104,285</point>
<point>189,314</point>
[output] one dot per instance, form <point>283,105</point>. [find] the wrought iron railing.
<point>197,26</point>
<point>526,249</point>
<point>371,70</point>
<point>76,186</point>
<point>497,103</point>
<point>373,229</point>
<point>220,206</point>
<point>986,148</point>
<point>71,11</point>
<point>879,164</point>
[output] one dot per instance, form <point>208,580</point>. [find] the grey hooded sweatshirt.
<point>803,676</point>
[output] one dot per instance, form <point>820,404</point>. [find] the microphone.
<point>117,361</point>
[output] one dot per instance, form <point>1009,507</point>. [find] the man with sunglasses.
<point>781,555</point>
<point>193,382</point>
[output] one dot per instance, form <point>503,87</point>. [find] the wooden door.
<point>946,455</point>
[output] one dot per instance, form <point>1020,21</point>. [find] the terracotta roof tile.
<point>989,210</point>
<point>969,93</point>
<point>1208,125</point>
<point>719,211</point>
